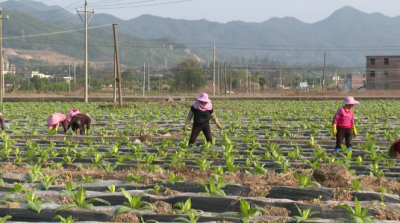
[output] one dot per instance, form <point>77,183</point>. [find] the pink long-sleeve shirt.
<point>344,119</point>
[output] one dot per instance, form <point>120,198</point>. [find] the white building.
<point>36,73</point>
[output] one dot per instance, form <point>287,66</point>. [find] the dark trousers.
<point>77,124</point>
<point>205,127</point>
<point>347,134</point>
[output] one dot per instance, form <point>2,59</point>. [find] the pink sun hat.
<point>204,97</point>
<point>53,119</point>
<point>350,101</point>
<point>71,114</point>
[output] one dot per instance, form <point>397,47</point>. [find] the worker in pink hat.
<point>343,124</point>
<point>202,110</point>
<point>55,119</point>
<point>71,113</point>
<point>78,123</point>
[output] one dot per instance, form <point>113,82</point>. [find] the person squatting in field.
<point>343,124</point>
<point>3,123</point>
<point>71,113</point>
<point>202,110</point>
<point>54,121</point>
<point>394,150</point>
<point>78,123</point>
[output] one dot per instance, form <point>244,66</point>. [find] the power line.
<point>46,34</point>
<point>139,6</point>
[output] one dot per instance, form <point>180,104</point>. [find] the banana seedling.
<point>185,207</point>
<point>305,181</point>
<point>215,186</point>
<point>80,201</point>
<point>357,215</point>
<point>305,215</point>
<point>5,218</point>
<point>134,203</point>
<point>47,180</point>
<point>35,204</point>
<point>112,189</point>
<point>246,211</point>
<point>69,219</point>
<point>193,217</point>
<point>172,179</point>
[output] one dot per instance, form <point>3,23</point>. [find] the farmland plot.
<point>239,177</point>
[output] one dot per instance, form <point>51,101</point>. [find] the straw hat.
<point>393,153</point>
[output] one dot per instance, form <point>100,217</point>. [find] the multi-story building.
<point>383,72</point>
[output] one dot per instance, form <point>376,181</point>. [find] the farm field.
<point>273,162</point>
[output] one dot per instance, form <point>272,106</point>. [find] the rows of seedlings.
<point>235,178</point>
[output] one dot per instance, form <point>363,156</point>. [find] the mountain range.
<point>348,34</point>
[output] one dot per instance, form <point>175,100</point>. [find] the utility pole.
<point>148,77</point>
<point>280,78</point>
<point>74,73</point>
<point>323,75</point>
<point>86,48</point>
<point>220,79</point>
<point>69,76</point>
<point>117,62</point>
<point>2,92</point>
<point>144,78</point>
<point>214,70</point>
<point>336,79</point>
<point>115,78</point>
<point>224,78</point>
<point>230,79</point>
<point>247,80</point>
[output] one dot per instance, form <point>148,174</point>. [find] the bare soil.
<point>169,192</point>
<point>125,218</point>
<point>341,194</point>
<point>66,200</point>
<point>387,214</point>
<point>333,176</point>
<point>13,205</point>
<point>163,207</point>
<point>277,211</point>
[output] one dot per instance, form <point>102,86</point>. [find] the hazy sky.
<point>223,11</point>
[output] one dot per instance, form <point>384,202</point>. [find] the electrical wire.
<point>139,6</point>
<point>46,34</point>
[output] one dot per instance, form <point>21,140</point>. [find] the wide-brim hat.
<point>204,97</point>
<point>72,113</point>
<point>350,101</point>
<point>53,119</point>
<point>393,152</point>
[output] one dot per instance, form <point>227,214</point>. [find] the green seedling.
<point>18,188</point>
<point>246,211</point>
<point>356,186</point>
<point>5,218</point>
<point>382,195</point>
<point>357,215</point>
<point>68,159</point>
<point>305,215</point>
<point>215,186</point>
<point>69,186</point>
<point>193,217</point>
<point>34,204</point>
<point>305,181</point>
<point>203,163</point>
<point>185,207</point>
<point>112,189</point>
<point>219,170</point>
<point>47,180</point>
<point>157,189</point>
<point>134,203</point>
<point>134,177</point>
<point>80,201</point>
<point>65,220</point>
<point>172,179</point>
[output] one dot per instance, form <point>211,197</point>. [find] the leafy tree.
<point>189,77</point>
<point>127,75</point>
<point>262,81</point>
